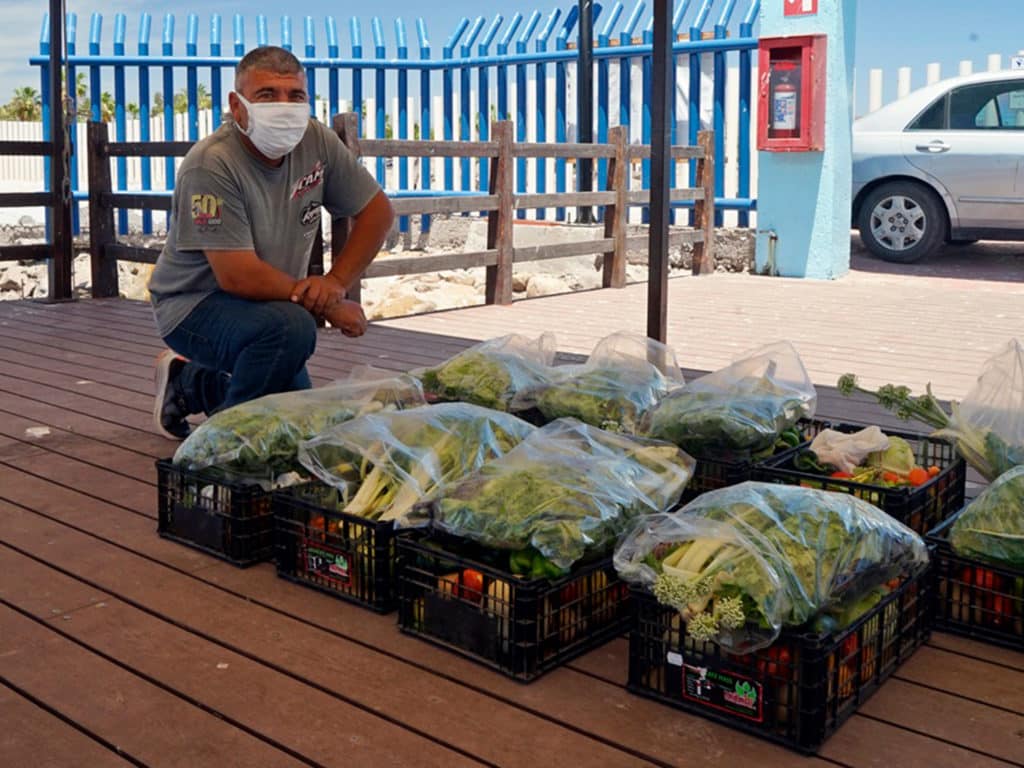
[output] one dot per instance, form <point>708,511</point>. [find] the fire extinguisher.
<point>785,118</point>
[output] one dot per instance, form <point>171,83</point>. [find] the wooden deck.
<point>118,647</point>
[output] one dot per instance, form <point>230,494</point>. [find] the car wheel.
<point>902,221</point>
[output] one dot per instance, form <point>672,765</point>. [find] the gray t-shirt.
<point>226,199</point>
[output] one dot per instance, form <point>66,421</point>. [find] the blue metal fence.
<point>479,99</point>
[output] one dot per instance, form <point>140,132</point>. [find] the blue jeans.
<point>239,350</point>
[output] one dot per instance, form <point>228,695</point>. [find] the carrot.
<point>933,471</point>
<point>917,476</point>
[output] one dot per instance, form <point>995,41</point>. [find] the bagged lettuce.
<point>992,526</point>
<point>258,441</point>
<point>741,563</point>
<point>569,490</point>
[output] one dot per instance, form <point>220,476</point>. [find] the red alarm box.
<point>791,94</point>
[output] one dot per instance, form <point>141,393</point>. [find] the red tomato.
<point>472,585</point>
<point>917,476</point>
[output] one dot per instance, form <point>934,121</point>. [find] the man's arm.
<point>371,225</point>
<point>244,274</point>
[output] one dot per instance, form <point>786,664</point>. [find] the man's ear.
<point>238,112</point>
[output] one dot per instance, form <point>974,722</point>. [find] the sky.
<point>889,34</point>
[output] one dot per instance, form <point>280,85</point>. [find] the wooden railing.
<point>499,203</point>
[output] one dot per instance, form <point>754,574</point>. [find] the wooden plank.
<point>31,736</point>
<point>674,238</point>
<point>643,196</point>
<point>865,743</point>
<point>616,215</point>
<point>397,690</point>
<point>86,362</point>
<point>498,279</point>
<point>412,206</point>
<point>29,148</point>
<point>101,216</point>
<point>38,252</point>
<point>552,199</point>
<point>562,250</point>
<point>132,253</point>
<point>419,264</point>
<point>19,199</point>
<point>679,152</point>
<point>41,591</point>
<point>525,149</point>
<point>977,650</point>
<point>966,677</point>
<point>71,383</point>
<point>110,378</point>
<point>149,148</point>
<point>307,721</point>
<point>418,148</point>
<point>984,729</point>
<point>111,702</point>
<point>147,201</point>
<point>704,210</point>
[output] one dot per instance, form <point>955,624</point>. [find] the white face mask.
<point>275,127</point>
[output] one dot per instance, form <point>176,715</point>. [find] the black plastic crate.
<point>521,627</point>
<point>975,598</point>
<point>920,508</point>
<point>344,555</point>
<point>203,510</point>
<point>796,692</point>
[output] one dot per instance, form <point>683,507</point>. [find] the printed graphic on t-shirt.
<point>309,181</point>
<point>311,213</point>
<point>206,211</point>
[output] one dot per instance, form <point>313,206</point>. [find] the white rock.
<point>545,285</point>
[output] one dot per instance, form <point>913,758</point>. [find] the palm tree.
<point>26,105</point>
<point>203,100</point>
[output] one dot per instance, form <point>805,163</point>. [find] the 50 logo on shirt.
<point>206,211</point>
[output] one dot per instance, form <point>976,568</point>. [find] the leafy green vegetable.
<point>568,490</point>
<point>398,460</point>
<point>898,458</point>
<point>741,562</point>
<point>992,526</point>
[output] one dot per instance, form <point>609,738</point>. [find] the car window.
<point>932,119</point>
<point>987,106</point>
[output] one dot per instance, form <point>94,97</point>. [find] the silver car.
<point>943,164</point>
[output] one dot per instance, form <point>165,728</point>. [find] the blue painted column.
<point>804,197</point>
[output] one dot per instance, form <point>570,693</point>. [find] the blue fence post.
<point>603,86</point>
<point>286,32</point>
<point>745,88</point>
<point>465,98</point>
<point>120,122</point>
<point>561,118</point>
<point>696,33</point>
<point>645,118</point>
<point>309,38</point>
<point>356,33</point>
<point>71,31</point>
<point>506,39</point>
<point>484,95</point>
<point>403,114</point>
<point>192,76</point>
<point>721,73</point>
<point>379,94</point>
<point>44,97</point>
<point>168,96</point>
<point>521,105</point>
<point>425,112</point>
<point>144,117</point>
<point>239,36</point>
<point>540,82</point>
<point>95,95</point>
<point>448,86</point>
<point>673,171</point>
<point>333,53</point>
<point>216,86</point>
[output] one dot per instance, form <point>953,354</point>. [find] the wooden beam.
<point>101,215</point>
<point>411,206</point>
<point>615,216</point>
<point>643,196</point>
<point>563,150</point>
<point>663,83</point>
<point>59,274</point>
<point>679,152</point>
<point>149,148</point>
<point>35,252</point>
<point>413,265</point>
<point>704,210</point>
<point>120,252</point>
<point>147,201</point>
<point>18,199</point>
<point>562,250</point>
<point>566,199</point>
<point>499,222</point>
<point>409,148</point>
<point>26,148</point>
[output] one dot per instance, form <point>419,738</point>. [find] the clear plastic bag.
<point>741,562</point>
<point>623,378</point>
<point>738,410</point>
<point>568,491</point>
<point>992,526</point>
<point>258,441</point>
<point>387,463</point>
<point>987,426</point>
<point>490,373</point>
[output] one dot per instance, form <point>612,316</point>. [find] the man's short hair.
<point>269,58</point>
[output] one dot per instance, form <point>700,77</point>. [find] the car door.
<point>976,151</point>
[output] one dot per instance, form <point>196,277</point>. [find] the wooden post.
<point>616,216</point>
<point>499,222</point>
<point>662,87</point>
<point>347,128</point>
<point>101,214</point>
<point>704,210</point>
<point>59,274</point>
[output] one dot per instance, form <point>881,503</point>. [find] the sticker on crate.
<point>725,691</point>
<point>327,563</point>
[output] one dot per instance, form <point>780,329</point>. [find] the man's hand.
<point>318,293</point>
<point>347,316</point>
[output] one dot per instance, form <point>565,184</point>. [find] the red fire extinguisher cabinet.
<point>791,94</point>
